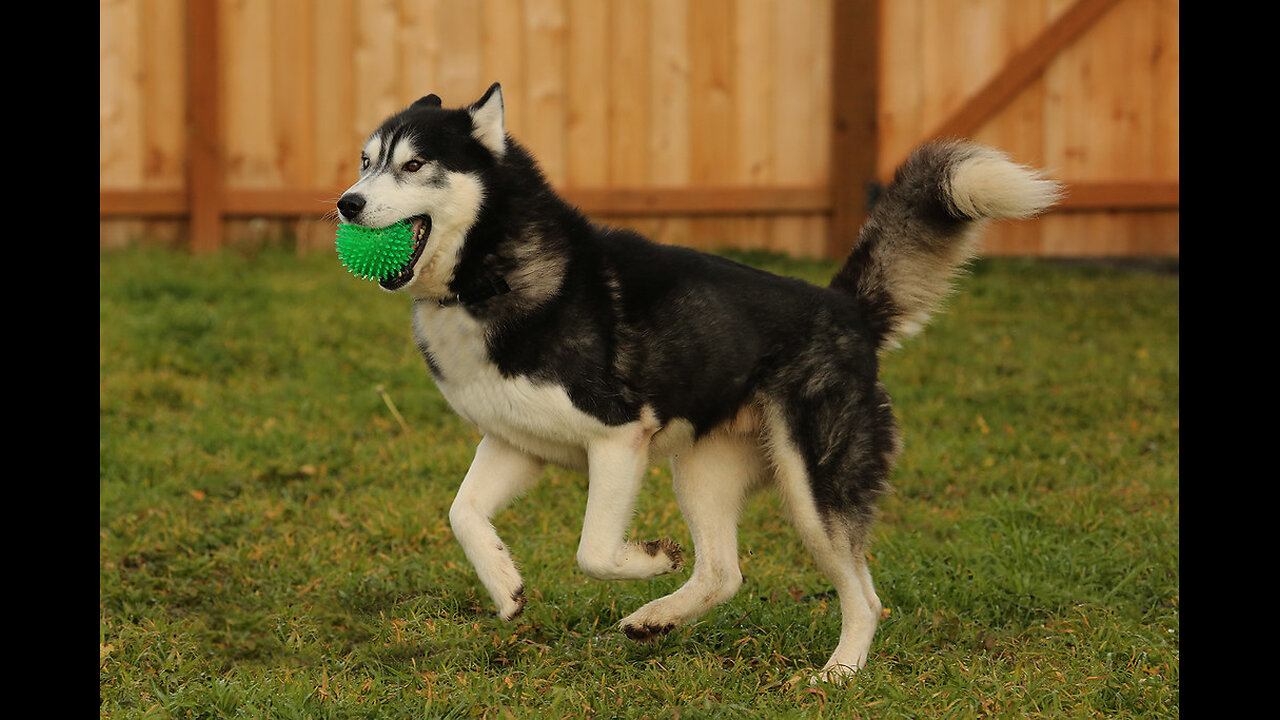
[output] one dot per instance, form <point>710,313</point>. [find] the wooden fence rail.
<point>712,123</point>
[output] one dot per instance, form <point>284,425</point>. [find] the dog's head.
<point>427,164</point>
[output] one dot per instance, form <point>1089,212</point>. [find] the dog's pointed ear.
<point>487,124</point>
<point>431,100</point>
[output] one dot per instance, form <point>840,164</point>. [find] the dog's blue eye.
<point>412,166</point>
<point>364,163</point>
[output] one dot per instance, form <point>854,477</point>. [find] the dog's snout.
<point>350,205</point>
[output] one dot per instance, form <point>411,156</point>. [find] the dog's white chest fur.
<point>537,417</point>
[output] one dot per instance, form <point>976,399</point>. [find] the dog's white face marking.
<point>397,183</point>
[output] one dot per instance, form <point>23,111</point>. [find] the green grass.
<point>274,540</point>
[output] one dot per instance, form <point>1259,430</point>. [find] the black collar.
<point>492,287</point>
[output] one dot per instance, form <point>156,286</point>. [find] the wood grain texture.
<point>644,108</point>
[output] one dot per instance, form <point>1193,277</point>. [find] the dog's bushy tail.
<point>926,225</point>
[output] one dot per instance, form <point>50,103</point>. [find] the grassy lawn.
<point>276,467</point>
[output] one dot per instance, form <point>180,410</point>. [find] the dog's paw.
<point>650,622</point>
<point>514,605</point>
<point>668,548</point>
<point>835,674</point>
<point>645,632</point>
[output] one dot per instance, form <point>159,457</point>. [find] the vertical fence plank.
<point>668,102</point>
<point>460,52</point>
<point>1019,128</point>
<point>292,91</point>
<point>587,95</point>
<point>628,84</point>
<point>712,84</point>
<point>803,116</point>
<point>503,42</point>
<point>900,88</point>
<point>544,104</point>
<point>756,102</point>
<point>713,130</point>
<point>419,41</point>
<point>376,64</point>
<point>246,87</point>
<point>163,90</point>
<point>668,141</point>
<point>119,127</point>
<point>337,139</point>
<point>1165,60</point>
<point>163,93</point>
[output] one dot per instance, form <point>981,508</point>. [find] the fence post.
<point>204,171</point>
<point>855,77</point>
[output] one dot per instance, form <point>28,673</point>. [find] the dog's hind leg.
<point>616,464</point>
<point>498,475</point>
<point>844,563</point>
<point>711,480</point>
<point>837,541</point>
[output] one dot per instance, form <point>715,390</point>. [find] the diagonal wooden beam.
<point>1023,68</point>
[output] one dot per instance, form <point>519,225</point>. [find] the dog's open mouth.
<point>421,229</point>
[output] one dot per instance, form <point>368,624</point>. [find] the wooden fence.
<point>711,123</point>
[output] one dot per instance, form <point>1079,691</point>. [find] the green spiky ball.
<point>375,253</point>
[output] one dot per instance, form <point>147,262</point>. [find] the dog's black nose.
<point>351,205</point>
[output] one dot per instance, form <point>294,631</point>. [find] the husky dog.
<point>596,349</point>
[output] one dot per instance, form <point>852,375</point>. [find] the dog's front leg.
<point>499,473</point>
<point>616,465</point>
